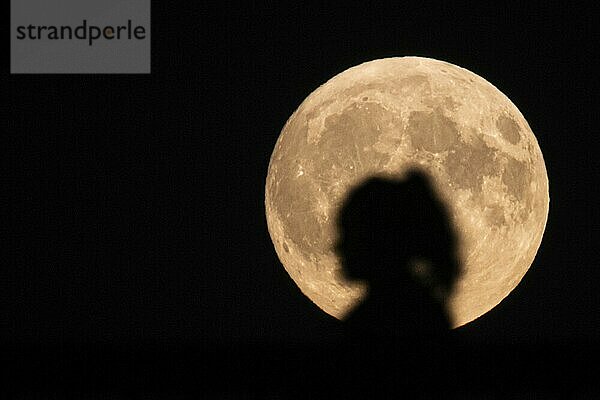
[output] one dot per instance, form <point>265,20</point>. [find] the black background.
<point>136,203</point>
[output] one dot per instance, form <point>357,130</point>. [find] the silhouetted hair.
<point>397,236</point>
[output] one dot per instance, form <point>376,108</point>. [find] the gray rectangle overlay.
<point>80,36</point>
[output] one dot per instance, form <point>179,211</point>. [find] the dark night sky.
<point>137,201</point>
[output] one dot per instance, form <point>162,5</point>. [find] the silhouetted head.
<point>396,231</point>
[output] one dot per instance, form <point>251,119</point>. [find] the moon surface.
<point>388,116</point>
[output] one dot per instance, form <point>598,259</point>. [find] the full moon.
<point>389,116</point>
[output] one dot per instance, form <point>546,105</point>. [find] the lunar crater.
<point>509,129</point>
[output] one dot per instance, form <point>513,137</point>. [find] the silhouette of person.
<point>396,236</point>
